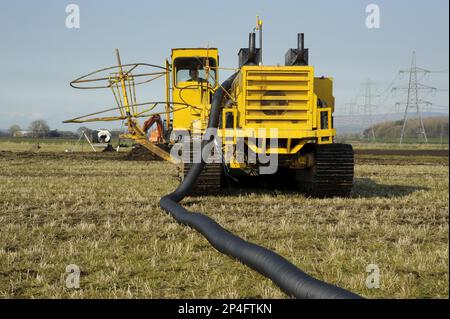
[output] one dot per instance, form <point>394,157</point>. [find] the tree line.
<point>435,127</point>
<point>40,129</point>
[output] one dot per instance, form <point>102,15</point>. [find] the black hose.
<point>288,277</point>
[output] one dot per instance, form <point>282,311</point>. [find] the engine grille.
<point>275,97</point>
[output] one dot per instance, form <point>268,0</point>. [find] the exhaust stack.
<point>298,56</point>
<point>250,55</point>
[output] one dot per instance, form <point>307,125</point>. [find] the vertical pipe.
<point>251,48</point>
<point>167,96</point>
<point>300,42</point>
<point>260,27</point>
<point>124,87</point>
<point>119,62</point>
<point>251,42</point>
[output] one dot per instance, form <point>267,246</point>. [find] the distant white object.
<point>103,136</point>
<point>23,134</point>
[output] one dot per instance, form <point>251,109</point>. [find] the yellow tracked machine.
<point>283,112</point>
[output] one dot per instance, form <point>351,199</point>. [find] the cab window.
<point>192,70</point>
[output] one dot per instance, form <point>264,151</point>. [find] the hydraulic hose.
<point>288,277</point>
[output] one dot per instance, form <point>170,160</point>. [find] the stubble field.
<point>101,212</point>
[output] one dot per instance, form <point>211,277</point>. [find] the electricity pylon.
<point>367,107</point>
<point>413,101</point>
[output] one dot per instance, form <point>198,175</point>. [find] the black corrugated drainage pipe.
<point>288,277</point>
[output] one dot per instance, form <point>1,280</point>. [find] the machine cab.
<point>194,79</point>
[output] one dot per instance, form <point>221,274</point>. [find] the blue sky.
<point>39,55</point>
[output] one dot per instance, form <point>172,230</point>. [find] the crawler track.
<point>332,174</point>
<point>209,182</point>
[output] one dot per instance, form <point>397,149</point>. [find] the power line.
<point>389,88</point>
<point>362,111</point>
